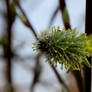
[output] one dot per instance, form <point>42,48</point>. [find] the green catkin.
<point>65,47</point>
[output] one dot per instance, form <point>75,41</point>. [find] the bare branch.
<point>61,81</point>
<point>62,8</point>
<point>29,24</point>
<point>7,49</point>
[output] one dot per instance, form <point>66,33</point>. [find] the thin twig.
<point>61,81</point>
<point>29,24</point>
<point>62,8</point>
<point>37,73</point>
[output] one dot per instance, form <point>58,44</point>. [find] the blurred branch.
<point>61,81</point>
<point>79,79</point>
<point>65,15</point>
<point>66,20</point>
<point>50,84</point>
<point>88,30</point>
<point>28,23</point>
<point>8,52</point>
<point>9,40</point>
<point>37,73</point>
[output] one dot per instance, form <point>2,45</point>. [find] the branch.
<point>7,49</point>
<point>28,23</point>
<point>64,10</point>
<point>76,74</point>
<point>59,77</point>
<point>37,73</point>
<point>30,26</point>
<point>8,52</point>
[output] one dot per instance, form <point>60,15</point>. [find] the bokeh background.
<point>39,13</point>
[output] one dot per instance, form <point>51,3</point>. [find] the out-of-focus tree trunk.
<point>88,30</point>
<point>8,52</point>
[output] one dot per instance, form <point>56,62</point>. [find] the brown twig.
<point>28,23</point>
<point>61,81</point>
<point>62,5</point>
<point>37,73</point>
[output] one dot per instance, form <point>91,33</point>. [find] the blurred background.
<point>21,70</point>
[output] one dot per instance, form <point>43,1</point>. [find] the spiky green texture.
<point>65,47</point>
